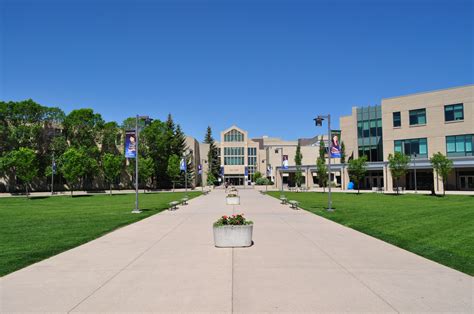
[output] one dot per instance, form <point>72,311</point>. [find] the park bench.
<point>293,204</point>
<point>283,200</point>
<point>184,201</point>
<point>173,205</point>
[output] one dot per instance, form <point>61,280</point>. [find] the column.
<point>388,180</point>
<point>438,183</point>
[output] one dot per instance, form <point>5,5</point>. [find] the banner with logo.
<point>182,165</point>
<point>269,171</point>
<point>199,169</point>
<point>246,172</point>
<point>335,144</point>
<point>285,162</point>
<point>130,144</point>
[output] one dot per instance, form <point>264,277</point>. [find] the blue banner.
<point>246,171</point>
<point>222,171</point>
<point>182,165</point>
<point>130,144</point>
<point>53,167</point>
<point>199,169</point>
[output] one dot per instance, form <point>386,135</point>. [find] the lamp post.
<point>202,171</point>
<point>53,170</point>
<point>414,169</point>
<point>147,119</point>
<point>319,122</point>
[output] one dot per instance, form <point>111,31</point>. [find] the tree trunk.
<point>26,187</point>
<point>110,186</point>
<point>398,184</point>
<point>444,189</point>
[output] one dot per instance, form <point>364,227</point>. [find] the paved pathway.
<point>299,262</point>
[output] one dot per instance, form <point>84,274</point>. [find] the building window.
<point>418,146</point>
<point>397,119</point>
<point>233,136</point>
<point>454,112</point>
<point>459,145</point>
<point>418,117</point>
<point>234,155</point>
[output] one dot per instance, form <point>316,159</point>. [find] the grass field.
<point>438,228</point>
<point>37,228</point>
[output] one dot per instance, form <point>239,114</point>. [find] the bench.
<point>184,201</point>
<point>293,204</point>
<point>173,205</point>
<point>283,200</point>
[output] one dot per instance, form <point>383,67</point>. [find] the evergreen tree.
<point>322,173</point>
<point>212,156</point>
<point>343,153</point>
<point>322,149</point>
<point>298,160</point>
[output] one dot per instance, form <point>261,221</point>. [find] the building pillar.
<point>309,178</point>
<point>345,178</point>
<point>388,179</point>
<point>438,183</point>
<point>277,179</point>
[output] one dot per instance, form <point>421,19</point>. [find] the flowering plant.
<point>234,220</point>
<point>232,195</point>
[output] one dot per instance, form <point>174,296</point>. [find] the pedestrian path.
<point>299,262</point>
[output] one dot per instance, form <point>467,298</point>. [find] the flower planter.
<point>233,200</point>
<point>233,236</point>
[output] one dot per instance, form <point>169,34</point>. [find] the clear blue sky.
<point>267,66</point>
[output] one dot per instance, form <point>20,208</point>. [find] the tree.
<point>443,166</point>
<point>112,166</point>
<point>110,138</point>
<point>82,128</point>
<point>322,149</point>
<point>398,164</point>
<point>73,166</point>
<point>145,170</point>
<point>357,170</point>
<point>210,178</point>
<point>212,155</point>
<point>24,165</point>
<point>155,143</point>
<point>322,172</point>
<point>257,175</point>
<point>343,153</point>
<point>298,160</point>
<point>173,170</point>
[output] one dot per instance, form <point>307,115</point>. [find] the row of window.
<point>418,116</point>
<point>234,161</point>
<point>233,136</point>
<point>456,146</point>
<point>233,151</point>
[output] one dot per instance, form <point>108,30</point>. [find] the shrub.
<point>263,181</point>
<point>234,220</point>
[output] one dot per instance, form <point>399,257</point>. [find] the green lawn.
<point>37,228</point>
<point>438,228</point>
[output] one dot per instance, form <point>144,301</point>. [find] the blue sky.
<point>267,66</point>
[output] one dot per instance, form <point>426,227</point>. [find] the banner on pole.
<point>335,144</point>
<point>130,144</point>
<point>285,162</point>
<point>182,165</point>
<point>199,169</point>
<point>246,172</point>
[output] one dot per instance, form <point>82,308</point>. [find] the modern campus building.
<point>418,125</point>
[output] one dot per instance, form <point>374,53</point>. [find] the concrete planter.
<point>233,200</point>
<point>233,236</point>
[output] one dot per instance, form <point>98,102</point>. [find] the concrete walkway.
<point>299,263</point>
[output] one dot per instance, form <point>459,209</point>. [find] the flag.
<point>182,165</point>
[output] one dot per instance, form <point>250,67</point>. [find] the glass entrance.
<point>234,179</point>
<point>466,182</point>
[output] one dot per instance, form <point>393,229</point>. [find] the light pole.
<point>414,169</point>
<point>185,156</point>
<point>202,171</point>
<point>53,170</point>
<point>147,119</point>
<point>319,122</point>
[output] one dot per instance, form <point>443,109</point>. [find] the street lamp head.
<point>318,121</point>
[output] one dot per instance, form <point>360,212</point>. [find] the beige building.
<point>418,125</point>
<point>242,156</point>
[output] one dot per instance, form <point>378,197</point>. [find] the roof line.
<point>431,91</point>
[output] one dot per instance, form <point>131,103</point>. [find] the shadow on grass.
<point>38,197</point>
<point>85,195</point>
